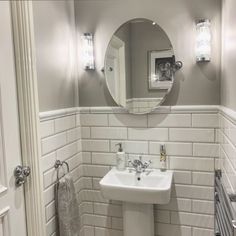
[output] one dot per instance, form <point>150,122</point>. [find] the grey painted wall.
<point>195,83</point>
<point>228,82</point>
<point>145,37</point>
<point>55,54</point>
<point>139,39</point>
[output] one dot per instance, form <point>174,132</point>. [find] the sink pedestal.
<point>138,195</point>
<point>138,219</point>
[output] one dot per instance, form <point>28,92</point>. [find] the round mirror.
<point>139,66</point>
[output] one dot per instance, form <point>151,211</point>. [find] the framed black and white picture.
<point>160,71</point>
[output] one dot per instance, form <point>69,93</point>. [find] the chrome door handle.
<point>21,173</point>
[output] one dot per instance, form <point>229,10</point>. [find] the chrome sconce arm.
<point>166,69</point>
<point>177,65</point>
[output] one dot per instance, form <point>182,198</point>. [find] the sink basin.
<point>150,187</point>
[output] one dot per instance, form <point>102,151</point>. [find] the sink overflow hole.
<point>138,178</point>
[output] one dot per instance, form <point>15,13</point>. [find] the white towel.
<point>67,207</point>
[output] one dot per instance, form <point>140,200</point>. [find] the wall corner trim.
<point>47,115</point>
<point>229,113</point>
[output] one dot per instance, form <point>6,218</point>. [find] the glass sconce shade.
<point>203,40</point>
<point>88,51</point>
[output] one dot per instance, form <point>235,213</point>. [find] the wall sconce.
<point>203,40</point>
<point>88,52</point>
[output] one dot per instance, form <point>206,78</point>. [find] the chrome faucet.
<point>139,165</point>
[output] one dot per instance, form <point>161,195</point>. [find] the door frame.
<point>28,105</point>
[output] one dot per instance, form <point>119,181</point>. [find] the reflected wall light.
<point>88,51</point>
<point>203,40</point>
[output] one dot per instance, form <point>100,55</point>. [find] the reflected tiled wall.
<point>191,138</point>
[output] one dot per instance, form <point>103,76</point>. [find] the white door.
<point>115,70</point>
<point>12,205</point>
<point>112,75</point>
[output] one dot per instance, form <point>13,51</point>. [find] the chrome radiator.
<point>225,215</point>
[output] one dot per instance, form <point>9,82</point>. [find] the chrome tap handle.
<point>139,165</point>
<point>146,164</point>
<point>136,162</point>
<point>129,162</point>
<point>133,163</point>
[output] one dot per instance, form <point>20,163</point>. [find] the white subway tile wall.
<point>192,151</point>
<point>227,161</point>
<point>60,140</point>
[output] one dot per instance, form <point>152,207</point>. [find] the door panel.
<point>12,205</point>
<point>4,225</point>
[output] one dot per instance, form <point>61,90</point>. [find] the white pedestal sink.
<point>138,194</point>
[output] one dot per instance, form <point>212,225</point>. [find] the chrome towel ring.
<point>58,164</point>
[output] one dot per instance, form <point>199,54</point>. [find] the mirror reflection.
<point>139,66</point>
